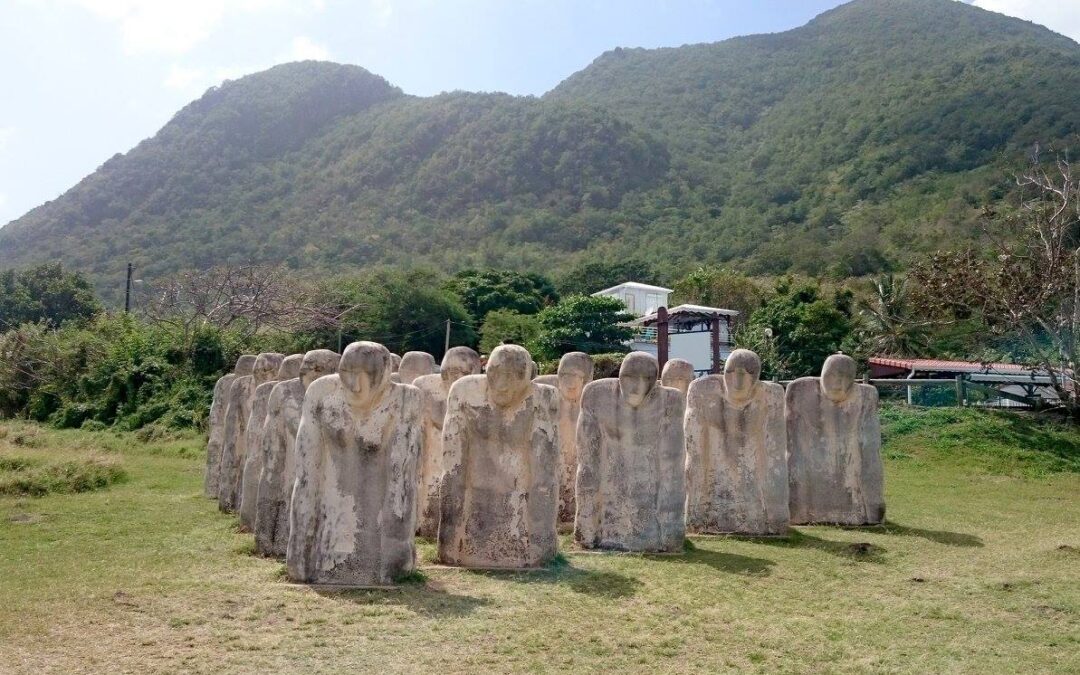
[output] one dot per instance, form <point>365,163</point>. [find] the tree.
<point>1028,285</point>
<point>716,286</point>
<point>889,323</point>
<point>45,293</point>
<point>504,325</point>
<point>800,327</point>
<point>583,323</point>
<point>597,275</point>
<point>483,291</point>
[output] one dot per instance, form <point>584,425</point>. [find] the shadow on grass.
<point>938,536</point>
<point>588,582</point>
<point>859,552</point>
<point>732,563</point>
<point>426,599</point>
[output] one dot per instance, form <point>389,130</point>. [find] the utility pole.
<point>446,344</point>
<point>127,291</point>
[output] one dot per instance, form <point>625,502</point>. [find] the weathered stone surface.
<point>278,449</point>
<point>575,371</point>
<point>353,509</point>
<point>834,448</point>
<point>414,365</point>
<point>290,367</point>
<point>395,362</point>
<point>678,374</point>
<point>631,461</point>
<point>252,464</point>
<point>456,364</point>
<point>216,422</point>
<point>736,452</point>
<point>500,491</point>
<point>234,438</point>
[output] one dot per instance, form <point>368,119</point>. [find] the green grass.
<point>28,468</point>
<point>977,570</point>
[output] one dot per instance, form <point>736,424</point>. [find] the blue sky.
<point>85,79</point>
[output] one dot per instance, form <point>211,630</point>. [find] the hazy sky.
<point>84,79</point>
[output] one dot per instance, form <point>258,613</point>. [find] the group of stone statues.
<point>338,463</point>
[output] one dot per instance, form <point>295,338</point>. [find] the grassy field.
<point>977,570</point>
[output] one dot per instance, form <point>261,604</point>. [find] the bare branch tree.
<point>1030,287</point>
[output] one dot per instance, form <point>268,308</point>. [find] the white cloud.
<point>174,27</point>
<point>1060,16</point>
<point>305,49</point>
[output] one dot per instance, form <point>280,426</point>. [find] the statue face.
<point>365,371</point>
<point>290,367</point>
<point>266,367</point>
<point>838,377</point>
<point>509,375</point>
<point>677,373</point>
<point>741,373</point>
<point>457,363</point>
<point>317,363</point>
<point>575,371</point>
<point>245,365</point>
<point>414,365</point>
<point>637,377</point>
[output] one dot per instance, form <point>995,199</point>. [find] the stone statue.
<point>256,426</point>
<point>353,513</point>
<point>677,374</point>
<point>414,365</point>
<point>500,492</point>
<point>234,439</point>
<point>631,462</point>
<point>396,359</point>
<point>575,371</point>
<point>456,364</point>
<point>216,422</point>
<point>278,449</point>
<point>736,452</point>
<point>834,448</point>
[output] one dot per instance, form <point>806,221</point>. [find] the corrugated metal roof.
<point>952,366</point>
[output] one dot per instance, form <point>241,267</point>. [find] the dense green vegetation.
<point>843,147</point>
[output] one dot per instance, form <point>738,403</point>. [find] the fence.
<point>982,390</point>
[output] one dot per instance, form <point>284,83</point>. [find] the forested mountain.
<point>875,131</point>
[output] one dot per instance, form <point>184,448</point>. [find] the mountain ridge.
<point>822,148</point>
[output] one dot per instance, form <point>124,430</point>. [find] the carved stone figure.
<point>834,448</point>
<point>234,440</point>
<point>575,371</point>
<point>456,364</point>
<point>278,449</point>
<point>414,365</point>
<point>678,374</point>
<point>353,512</point>
<point>256,425</point>
<point>216,422</point>
<point>736,452</point>
<point>500,492</point>
<point>631,462</point>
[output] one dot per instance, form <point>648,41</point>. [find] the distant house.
<point>701,335</point>
<point>1013,383</point>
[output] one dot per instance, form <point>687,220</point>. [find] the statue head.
<point>245,365</point>
<point>637,377</point>
<point>838,377</point>
<point>741,373</point>
<point>509,375</point>
<point>457,363</point>
<point>395,362</point>
<point>677,373</point>
<point>364,370</point>
<point>316,363</point>
<point>575,371</point>
<point>266,367</point>
<point>290,367</point>
<point>415,364</point>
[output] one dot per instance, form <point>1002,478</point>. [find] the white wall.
<point>640,302</point>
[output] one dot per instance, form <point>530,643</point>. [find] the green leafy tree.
<point>45,293</point>
<point>795,331</point>
<point>888,321</point>
<point>596,275</point>
<point>717,286</point>
<point>504,325</point>
<point>484,291</point>
<point>583,323</point>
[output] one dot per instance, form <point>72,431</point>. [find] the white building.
<point>691,328</point>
